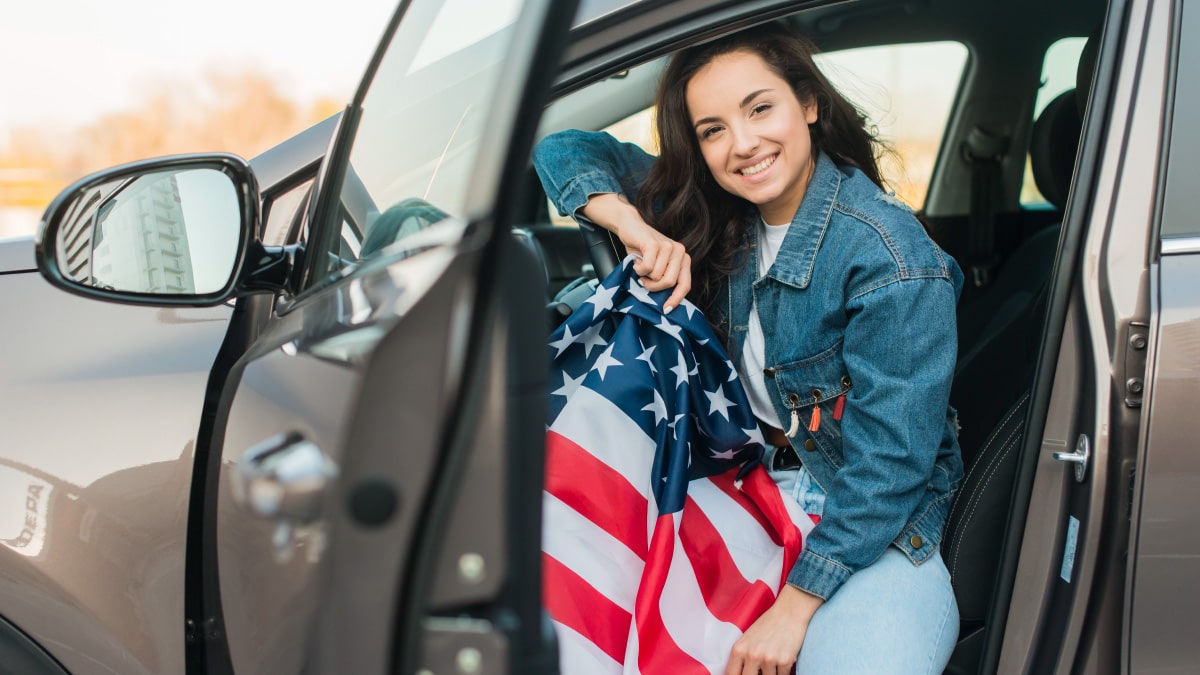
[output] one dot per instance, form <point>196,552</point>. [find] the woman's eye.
<point>709,132</point>
<point>760,108</point>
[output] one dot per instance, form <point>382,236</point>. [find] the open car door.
<point>376,497</point>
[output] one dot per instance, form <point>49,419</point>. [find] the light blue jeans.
<point>891,617</point>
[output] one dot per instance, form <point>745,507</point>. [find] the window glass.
<point>1183,171</point>
<point>906,92</point>
<point>422,127</point>
<point>1058,76</point>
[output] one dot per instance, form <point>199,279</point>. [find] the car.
<point>291,419</point>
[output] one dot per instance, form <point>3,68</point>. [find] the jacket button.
<point>769,372</point>
<point>793,398</point>
<point>846,381</point>
<point>809,445</point>
<point>916,541</point>
<point>816,394</point>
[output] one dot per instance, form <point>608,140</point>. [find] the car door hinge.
<point>1136,343</point>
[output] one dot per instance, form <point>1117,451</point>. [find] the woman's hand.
<point>772,643</point>
<point>664,263</point>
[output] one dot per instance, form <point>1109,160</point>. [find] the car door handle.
<point>283,478</point>
<point>1079,458</point>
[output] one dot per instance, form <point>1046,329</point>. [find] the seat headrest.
<point>1052,148</point>
<point>1085,71</point>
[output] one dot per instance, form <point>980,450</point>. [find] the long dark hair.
<point>682,199</point>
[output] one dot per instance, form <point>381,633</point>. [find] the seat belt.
<point>984,151</point>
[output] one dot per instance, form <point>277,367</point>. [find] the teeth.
<point>750,171</point>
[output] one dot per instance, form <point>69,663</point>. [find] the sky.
<point>67,62</point>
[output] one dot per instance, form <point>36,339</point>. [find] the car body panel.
<point>93,547</point>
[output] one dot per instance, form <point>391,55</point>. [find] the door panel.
<point>1068,592</point>
<point>368,363</point>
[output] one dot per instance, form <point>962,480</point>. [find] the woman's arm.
<point>899,349</point>
<point>591,176</point>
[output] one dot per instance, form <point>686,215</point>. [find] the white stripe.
<point>687,619</point>
<point>747,542</point>
<point>603,561</point>
<point>576,654</point>
<point>595,424</point>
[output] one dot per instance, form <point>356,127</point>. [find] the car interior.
<point>983,106</point>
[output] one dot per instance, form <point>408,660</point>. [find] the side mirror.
<point>170,231</point>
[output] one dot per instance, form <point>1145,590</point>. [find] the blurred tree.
<point>240,111</point>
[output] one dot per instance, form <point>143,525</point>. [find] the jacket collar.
<point>794,263</point>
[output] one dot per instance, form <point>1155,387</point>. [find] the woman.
<point>766,210</point>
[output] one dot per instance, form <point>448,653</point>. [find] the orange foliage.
<point>243,112</point>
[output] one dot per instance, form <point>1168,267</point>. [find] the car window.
<point>421,129</point>
<point>1058,76</point>
<point>1183,169</point>
<point>906,91</point>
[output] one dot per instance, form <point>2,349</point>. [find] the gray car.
<point>303,431</point>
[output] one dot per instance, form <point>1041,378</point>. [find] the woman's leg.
<point>891,617</point>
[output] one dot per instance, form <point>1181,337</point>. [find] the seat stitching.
<point>988,444</point>
<point>977,495</point>
<point>1012,442</point>
<point>1012,411</point>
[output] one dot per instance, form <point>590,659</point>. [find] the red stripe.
<point>573,602</point>
<point>657,651</point>
<point>728,594</point>
<point>596,491</point>
<point>725,483</point>
<point>763,492</point>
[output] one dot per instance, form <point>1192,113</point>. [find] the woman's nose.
<point>745,142</point>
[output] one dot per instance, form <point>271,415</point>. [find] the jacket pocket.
<point>813,391</point>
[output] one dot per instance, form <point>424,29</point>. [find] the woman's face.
<point>753,132</point>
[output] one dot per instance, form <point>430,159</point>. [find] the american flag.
<point>664,537</point>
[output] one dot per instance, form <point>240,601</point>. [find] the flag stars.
<point>724,454</point>
<point>717,403</point>
<point>565,341</point>
<point>602,299</point>
<point>592,338</point>
<point>606,361</point>
<point>569,385</point>
<point>647,355</point>
<point>680,370</point>
<point>659,407</point>
<point>673,424</point>
<point>671,329</point>
<point>637,290</point>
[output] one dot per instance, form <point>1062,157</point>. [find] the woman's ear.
<point>810,111</point>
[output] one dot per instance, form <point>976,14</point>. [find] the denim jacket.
<point>859,305</point>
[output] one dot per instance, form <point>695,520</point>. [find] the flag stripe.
<point>728,595</point>
<point>578,654</point>
<point>573,602</point>
<point>594,555</point>
<point>658,651</point>
<point>589,420</point>
<point>592,488</point>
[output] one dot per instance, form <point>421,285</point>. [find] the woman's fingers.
<point>662,262</point>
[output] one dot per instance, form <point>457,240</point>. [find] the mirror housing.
<point>173,231</point>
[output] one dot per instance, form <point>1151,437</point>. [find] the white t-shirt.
<point>753,361</point>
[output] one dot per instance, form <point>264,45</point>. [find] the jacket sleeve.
<point>899,348</point>
<point>574,165</point>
